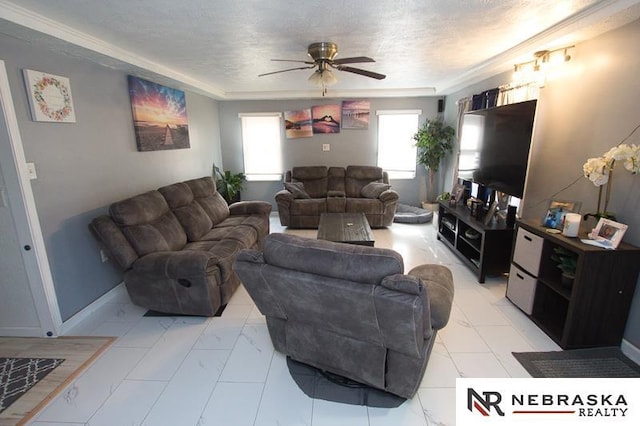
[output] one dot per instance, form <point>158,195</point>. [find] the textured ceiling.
<point>219,47</point>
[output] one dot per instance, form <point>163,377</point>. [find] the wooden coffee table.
<point>350,228</point>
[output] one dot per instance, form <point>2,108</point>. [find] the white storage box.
<point>527,251</point>
<point>521,289</point>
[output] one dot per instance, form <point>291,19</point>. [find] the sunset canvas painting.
<point>159,116</point>
<point>355,115</point>
<point>326,118</point>
<point>298,123</point>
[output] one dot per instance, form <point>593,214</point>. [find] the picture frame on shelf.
<point>490,213</point>
<point>557,209</point>
<point>457,192</point>
<point>608,233</point>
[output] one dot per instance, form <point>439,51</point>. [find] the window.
<point>396,149</point>
<point>261,146</point>
<point>470,142</point>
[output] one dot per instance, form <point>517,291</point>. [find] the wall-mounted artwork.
<point>50,97</point>
<point>326,118</point>
<point>355,115</point>
<point>298,124</point>
<point>159,116</point>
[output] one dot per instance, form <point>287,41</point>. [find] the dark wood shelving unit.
<point>486,254</point>
<point>593,310</point>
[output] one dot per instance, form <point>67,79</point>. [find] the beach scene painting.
<point>297,124</point>
<point>355,114</point>
<point>159,116</point>
<point>326,119</point>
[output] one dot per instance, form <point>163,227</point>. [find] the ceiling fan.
<point>322,55</point>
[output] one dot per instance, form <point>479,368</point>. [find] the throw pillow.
<point>374,189</point>
<point>297,189</point>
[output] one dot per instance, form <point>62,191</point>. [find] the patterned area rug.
<point>18,375</point>
<point>577,363</point>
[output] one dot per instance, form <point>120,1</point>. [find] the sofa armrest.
<point>438,281</point>
<point>176,264</point>
<point>335,193</point>
<point>284,197</point>
<point>113,241</point>
<point>249,265</point>
<point>250,207</point>
<point>389,196</point>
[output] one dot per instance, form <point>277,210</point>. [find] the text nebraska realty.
<point>584,405</point>
<point>590,405</point>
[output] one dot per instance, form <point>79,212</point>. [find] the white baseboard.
<point>21,332</point>
<point>631,351</point>
<point>90,309</point>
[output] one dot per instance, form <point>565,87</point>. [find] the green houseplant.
<point>567,263</point>
<point>229,184</point>
<point>434,141</point>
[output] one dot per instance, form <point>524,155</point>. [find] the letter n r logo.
<point>484,404</point>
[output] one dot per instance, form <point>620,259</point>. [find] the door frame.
<point>25,215</point>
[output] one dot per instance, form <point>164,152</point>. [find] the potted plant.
<point>229,184</point>
<point>434,141</point>
<point>567,263</point>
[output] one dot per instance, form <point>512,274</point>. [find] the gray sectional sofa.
<point>313,190</point>
<point>176,245</point>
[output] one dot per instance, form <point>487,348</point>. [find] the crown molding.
<point>31,20</point>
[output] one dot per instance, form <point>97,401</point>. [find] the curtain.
<point>512,93</point>
<point>464,105</point>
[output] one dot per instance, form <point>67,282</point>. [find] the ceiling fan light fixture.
<point>322,78</point>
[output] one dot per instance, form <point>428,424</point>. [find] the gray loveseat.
<point>176,245</point>
<point>349,309</point>
<point>313,190</point>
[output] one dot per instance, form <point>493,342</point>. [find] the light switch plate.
<point>326,147</point>
<point>31,171</point>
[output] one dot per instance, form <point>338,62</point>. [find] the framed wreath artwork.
<point>49,97</point>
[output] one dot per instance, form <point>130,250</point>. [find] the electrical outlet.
<point>103,256</point>
<point>31,171</point>
<point>326,147</point>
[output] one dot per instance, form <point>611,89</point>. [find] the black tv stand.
<point>486,249</point>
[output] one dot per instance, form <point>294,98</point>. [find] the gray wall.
<point>85,166</point>
<point>582,112</point>
<point>349,147</point>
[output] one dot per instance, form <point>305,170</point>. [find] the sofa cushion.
<point>190,214</point>
<point>314,179</point>
<point>308,207</point>
<point>356,177</point>
<point>247,236</point>
<point>368,206</point>
<point>297,189</point>
<point>148,224</point>
<point>205,194</point>
<point>374,189</point>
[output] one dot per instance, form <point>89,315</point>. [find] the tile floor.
<point>223,371</point>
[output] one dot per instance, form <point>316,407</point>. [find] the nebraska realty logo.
<point>552,401</point>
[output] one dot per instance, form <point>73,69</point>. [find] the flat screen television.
<point>494,146</point>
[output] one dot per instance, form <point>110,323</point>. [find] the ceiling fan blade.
<point>354,60</point>
<point>292,60</point>
<point>288,69</point>
<point>362,72</point>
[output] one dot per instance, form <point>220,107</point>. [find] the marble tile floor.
<point>188,371</point>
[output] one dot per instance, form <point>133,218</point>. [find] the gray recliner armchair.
<point>349,310</point>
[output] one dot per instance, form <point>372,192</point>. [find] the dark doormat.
<point>18,375</point>
<point>331,387</point>
<point>152,313</point>
<point>607,362</point>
